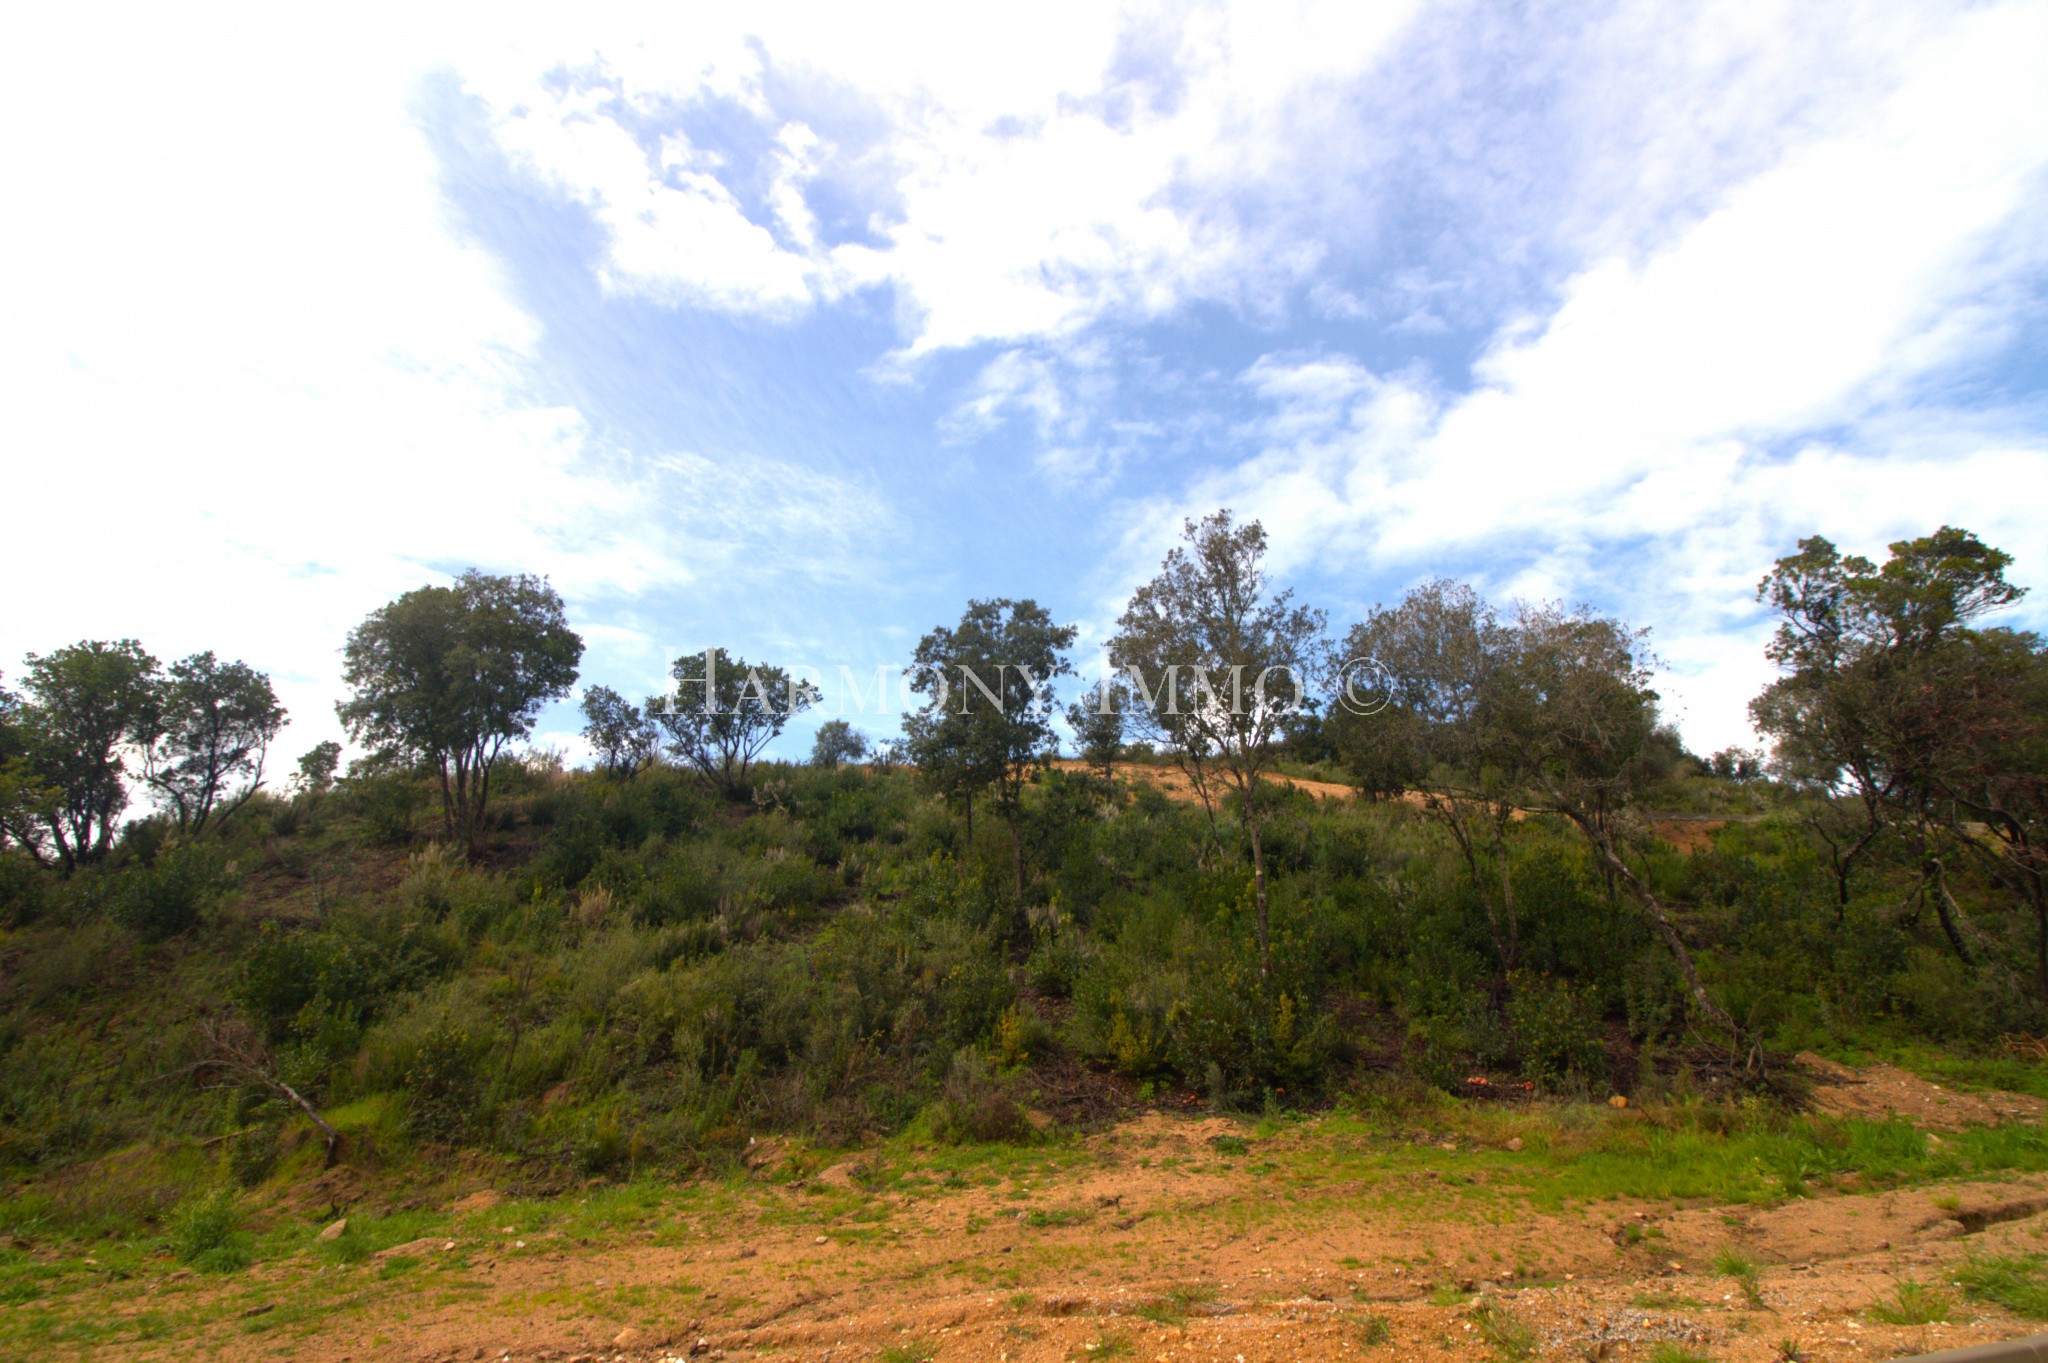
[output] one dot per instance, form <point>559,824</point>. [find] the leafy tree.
<point>82,710</point>
<point>1573,704</point>
<point>26,804</point>
<point>987,724</point>
<point>450,675</point>
<point>725,710</point>
<point>1211,615</point>
<point>1412,713</point>
<point>619,731</point>
<point>209,726</point>
<point>837,741</point>
<point>1894,704</point>
<point>1097,720</point>
<point>317,767</point>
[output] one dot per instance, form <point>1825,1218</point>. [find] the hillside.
<point>725,1067</point>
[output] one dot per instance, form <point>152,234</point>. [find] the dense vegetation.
<point>652,962</point>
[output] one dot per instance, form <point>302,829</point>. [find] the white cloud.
<point>1032,185</point>
<point>252,384</point>
<point>1641,421</point>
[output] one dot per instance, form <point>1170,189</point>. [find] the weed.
<point>1447,1294</point>
<point>1106,1346</point>
<point>1791,1351</point>
<point>1743,1269</point>
<point>1911,1304</point>
<point>1373,1331</point>
<point>1508,1335</point>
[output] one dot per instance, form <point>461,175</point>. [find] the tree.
<point>1097,720</point>
<point>1411,714</point>
<point>987,725</point>
<point>1875,666</point>
<point>837,741</point>
<point>1211,614</point>
<point>448,676</point>
<point>1572,700</point>
<point>619,732</point>
<point>725,710</point>
<point>316,769</point>
<point>26,804</point>
<point>82,710</point>
<point>209,725</point>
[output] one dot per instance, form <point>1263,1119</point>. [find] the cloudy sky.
<point>791,329</point>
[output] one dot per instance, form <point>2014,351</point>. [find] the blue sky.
<point>792,328</point>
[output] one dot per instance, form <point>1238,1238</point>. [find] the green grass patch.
<point>1504,1332</point>
<point>1911,1303</point>
<point>2017,1282</point>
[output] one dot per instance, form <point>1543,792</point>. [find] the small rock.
<point>335,1231</point>
<point>1617,1101</point>
<point>821,1240</point>
<point>1514,1143</point>
<point>628,1338</point>
<point>747,1253</point>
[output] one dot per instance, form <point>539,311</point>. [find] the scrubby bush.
<point>166,897</point>
<point>204,1232</point>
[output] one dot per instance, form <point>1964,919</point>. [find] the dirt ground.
<point>1148,1244</point>
<point>1174,782</point>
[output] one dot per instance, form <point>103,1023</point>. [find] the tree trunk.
<point>1251,824</point>
<point>1948,911</point>
<point>1666,929</point>
<point>1017,847</point>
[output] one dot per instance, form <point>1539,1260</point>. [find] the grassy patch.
<point>1744,1270</point>
<point>2018,1282</point>
<point>1505,1333</point>
<point>1172,1308</point>
<point>1677,1353</point>
<point>1911,1303</point>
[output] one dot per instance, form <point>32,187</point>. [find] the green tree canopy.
<point>619,732</point>
<point>837,741</point>
<point>1097,719</point>
<point>1223,660</point>
<point>448,676</point>
<point>82,709</point>
<point>209,726</point>
<point>725,710</point>
<point>987,723</point>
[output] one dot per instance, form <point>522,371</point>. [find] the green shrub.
<point>442,1087</point>
<point>204,1233</point>
<point>1555,1030</point>
<point>975,1107</point>
<point>166,897</point>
